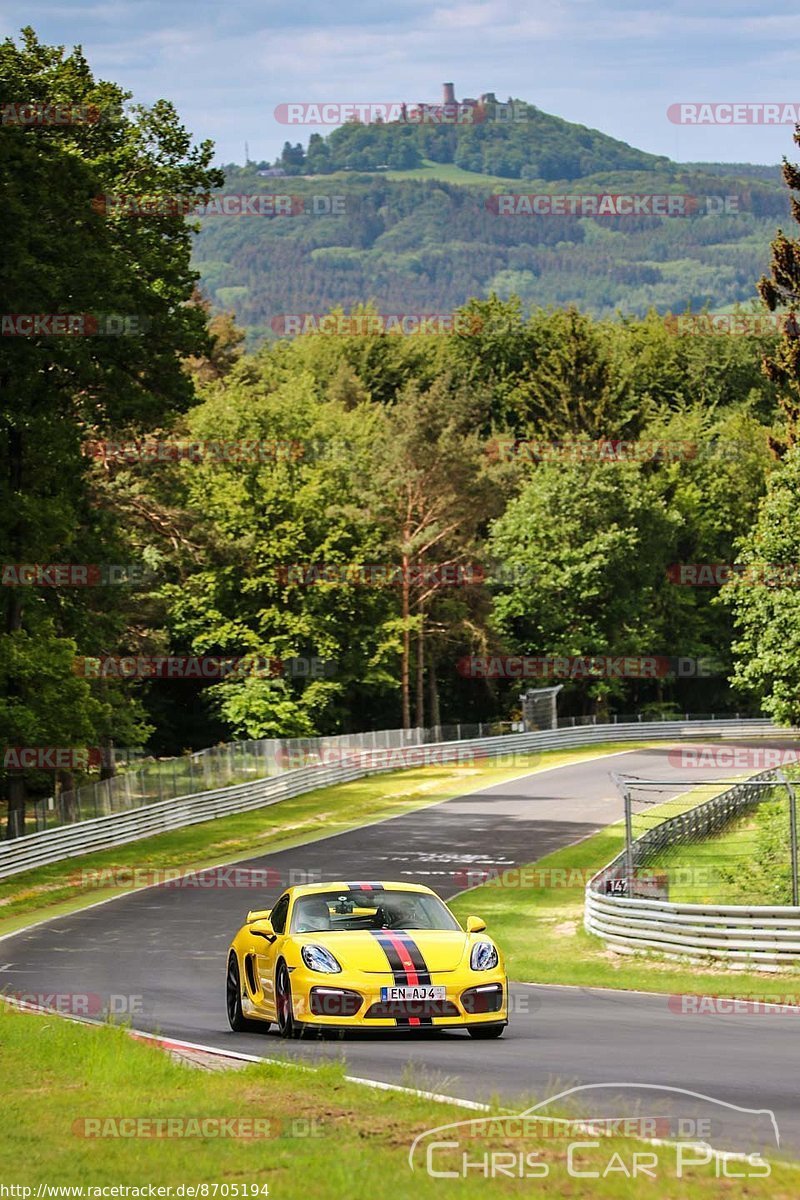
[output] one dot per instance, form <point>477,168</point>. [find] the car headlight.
<point>317,958</point>
<point>483,957</point>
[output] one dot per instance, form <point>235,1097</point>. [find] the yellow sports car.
<point>364,956</point>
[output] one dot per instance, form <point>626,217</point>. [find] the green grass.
<point>719,869</point>
<point>449,173</point>
<point>62,888</point>
<point>57,1074</point>
<point>696,871</point>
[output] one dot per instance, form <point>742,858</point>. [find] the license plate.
<point>417,992</point>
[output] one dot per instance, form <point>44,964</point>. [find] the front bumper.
<point>354,1001</point>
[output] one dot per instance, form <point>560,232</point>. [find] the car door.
<point>266,953</point>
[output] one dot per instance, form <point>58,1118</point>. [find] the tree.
<point>299,503</point>
<point>434,498</point>
<point>586,547</point>
<point>70,255</point>
<point>765,598</point>
<point>226,344</point>
<point>782,290</point>
<point>292,158</point>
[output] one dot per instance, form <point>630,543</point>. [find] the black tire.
<point>482,1032</point>
<point>238,1022</point>
<point>288,1027</point>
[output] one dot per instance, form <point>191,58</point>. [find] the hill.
<point>514,140</point>
<point>427,235</point>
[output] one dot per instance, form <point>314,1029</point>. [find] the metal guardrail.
<point>768,934</point>
<point>117,829</point>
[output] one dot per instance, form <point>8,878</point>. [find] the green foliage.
<point>66,256</point>
<point>380,442</point>
<point>766,605</point>
<point>540,146</point>
<point>764,876</point>
<point>429,244</point>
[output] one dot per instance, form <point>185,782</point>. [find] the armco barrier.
<point>766,934</point>
<point>116,829</point>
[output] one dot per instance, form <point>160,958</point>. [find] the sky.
<point>615,65</point>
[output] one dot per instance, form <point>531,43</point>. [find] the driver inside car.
<point>313,916</point>
<point>401,914</point>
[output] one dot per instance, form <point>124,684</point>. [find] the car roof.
<point>310,889</point>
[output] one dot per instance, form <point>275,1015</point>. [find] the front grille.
<point>487,998</point>
<point>387,1009</point>
<point>334,1002</point>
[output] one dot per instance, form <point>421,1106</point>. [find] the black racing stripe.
<point>393,959</point>
<point>415,954</point>
<point>420,966</point>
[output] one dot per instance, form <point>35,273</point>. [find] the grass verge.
<point>58,1076</point>
<point>66,886</point>
<point>710,872</point>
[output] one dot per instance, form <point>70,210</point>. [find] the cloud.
<point>615,67</point>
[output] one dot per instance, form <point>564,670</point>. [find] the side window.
<point>278,914</point>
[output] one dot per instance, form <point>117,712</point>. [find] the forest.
<point>365,529</point>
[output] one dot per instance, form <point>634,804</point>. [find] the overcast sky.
<point>615,65</point>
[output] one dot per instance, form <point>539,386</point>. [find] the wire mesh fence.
<point>149,781</point>
<point>724,840</point>
<point>140,781</point>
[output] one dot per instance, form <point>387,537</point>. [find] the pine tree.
<point>782,290</point>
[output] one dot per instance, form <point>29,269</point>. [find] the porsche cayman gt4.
<point>364,956</point>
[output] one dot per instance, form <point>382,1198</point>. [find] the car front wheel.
<point>288,1027</point>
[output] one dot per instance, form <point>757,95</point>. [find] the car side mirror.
<point>263,929</point>
<point>475,925</point>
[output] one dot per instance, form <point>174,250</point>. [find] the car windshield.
<point>347,909</point>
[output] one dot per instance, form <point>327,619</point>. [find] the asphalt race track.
<point>167,946</point>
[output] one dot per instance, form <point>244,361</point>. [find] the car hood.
<point>363,950</point>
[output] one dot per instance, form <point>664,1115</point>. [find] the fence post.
<point>628,840</point>
<point>792,835</point>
